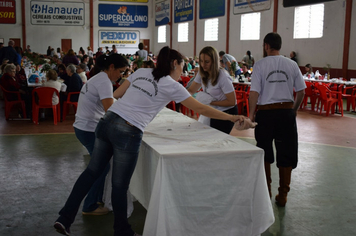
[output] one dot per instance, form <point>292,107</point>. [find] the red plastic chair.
<point>42,98</point>
<point>9,104</point>
<point>309,94</point>
<point>68,103</point>
<point>185,80</point>
<point>172,105</point>
<point>346,92</point>
<point>329,99</point>
<point>242,101</point>
<point>353,99</point>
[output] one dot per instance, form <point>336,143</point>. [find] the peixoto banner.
<point>120,38</point>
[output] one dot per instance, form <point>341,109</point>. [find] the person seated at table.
<point>309,71</point>
<point>20,75</point>
<point>192,62</point>
<point>8,82</point>
<point>74,82</point>
<point>245,72</point>
<point>85,60</point>
<point>248,59</point>
<point>187,66</point>
<point>218,90</point>
<point>81,72</point>
<point>62,72</point>
<point>52,82</point>
<point>70,58</point>
<point>119,134</point>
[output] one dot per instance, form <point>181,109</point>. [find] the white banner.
<point>122,39</point>
<point>57,13</point>
<point>245,6</point>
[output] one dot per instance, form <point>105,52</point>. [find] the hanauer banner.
<point>57,13</point>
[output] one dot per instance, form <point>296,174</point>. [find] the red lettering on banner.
<point>7,12</point>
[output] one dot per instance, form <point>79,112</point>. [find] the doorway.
<point>146,44</point>
<point>17,42</point>
<point>66,44</point>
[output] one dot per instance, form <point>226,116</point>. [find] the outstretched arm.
<point>208,111</point>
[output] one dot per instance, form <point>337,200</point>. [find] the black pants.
<point>224,125</point>
<point>280,126</point>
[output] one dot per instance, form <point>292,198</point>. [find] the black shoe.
<point>61,229</point>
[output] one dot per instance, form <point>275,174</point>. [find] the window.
<point>183,32</point>
<point>162,34</point>
<point>211,29</point>
<point>309,21</point>
<point>250,26</point>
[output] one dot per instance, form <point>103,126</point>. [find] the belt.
<point>276,106</point>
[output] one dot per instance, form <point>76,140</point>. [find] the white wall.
<point>318,52</point>
<point>352,53</point>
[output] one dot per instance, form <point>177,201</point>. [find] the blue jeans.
<point>96,192</point>
<point>114,137</point>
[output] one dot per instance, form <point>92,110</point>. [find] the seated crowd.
<point>74,69</point>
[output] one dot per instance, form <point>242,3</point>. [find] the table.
<point>334,81</point>
<point>195,181</point>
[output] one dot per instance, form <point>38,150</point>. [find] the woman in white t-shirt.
<point>96,96</point>
<point>52,82</point>
<point>217,87</point>
<point>119,133</point>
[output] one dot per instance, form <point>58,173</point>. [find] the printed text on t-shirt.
<point>278,80</point>
<point>154,84</point>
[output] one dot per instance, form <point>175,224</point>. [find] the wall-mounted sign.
<point>122,39</point>
<point>211,8</point>
<point>7,12</point>
<point>183,10</point>
<point>124,0</point>
<point>244,6</point>
<point>123,16</point>
<point>57,13</point>
<point>162,10</point>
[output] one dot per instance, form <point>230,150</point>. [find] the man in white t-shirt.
<point>81,72</point>
<point>273,80</point>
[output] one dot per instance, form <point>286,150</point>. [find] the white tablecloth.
<point>195,180</point>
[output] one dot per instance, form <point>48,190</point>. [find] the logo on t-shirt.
<point>279,78</point>
<point>149,88</point>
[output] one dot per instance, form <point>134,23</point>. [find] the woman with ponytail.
<point>248,59</point>
<point>119,134</point>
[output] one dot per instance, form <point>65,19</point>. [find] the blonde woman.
<point>218,91</point>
